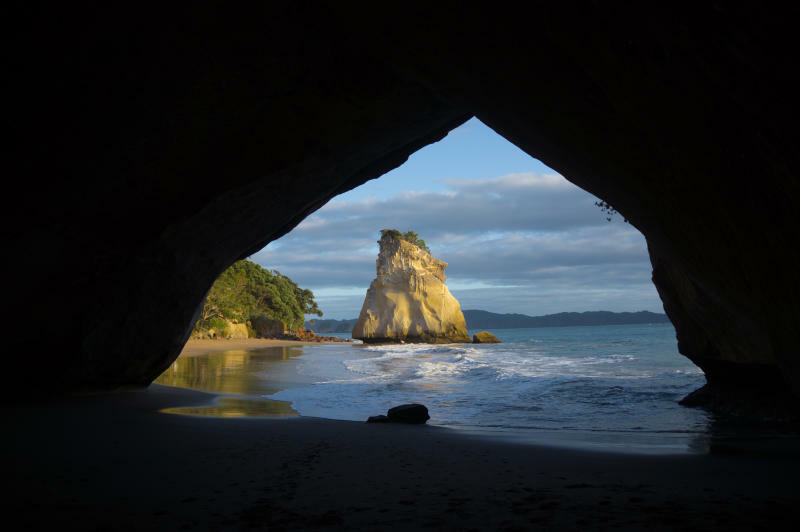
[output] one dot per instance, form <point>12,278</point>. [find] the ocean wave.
<point>437,363</point>
<point>415,349</point>
<point>585,383</point>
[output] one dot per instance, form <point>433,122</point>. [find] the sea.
<point>609,388</point>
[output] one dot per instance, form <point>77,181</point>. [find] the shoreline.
<point>112,461</point>
<point>196,347</point>
<point>238,394</point>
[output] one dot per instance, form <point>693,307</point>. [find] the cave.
<point>152,151</point>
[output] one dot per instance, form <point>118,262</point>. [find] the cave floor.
<point>112,462</point>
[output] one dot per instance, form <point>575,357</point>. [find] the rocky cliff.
<point>408,300</point>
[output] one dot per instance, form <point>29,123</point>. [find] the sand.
<point>196,347</point>
<point>112,462</point>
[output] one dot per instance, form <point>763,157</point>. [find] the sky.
<point>518,237</point>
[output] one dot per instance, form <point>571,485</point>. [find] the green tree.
<point>391,233</point>
<point>413,237</point>
<point>246,290</point>
<point>409,236</point>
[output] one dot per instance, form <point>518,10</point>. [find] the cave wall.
<point>156,148</point>
<point>684,122</point>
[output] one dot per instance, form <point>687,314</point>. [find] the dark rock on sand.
<point>484,337</point>
<point>414,414</point>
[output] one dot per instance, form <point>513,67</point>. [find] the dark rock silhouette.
<point>411,414</point>
<point>414,414</point>
<point>146,162</point>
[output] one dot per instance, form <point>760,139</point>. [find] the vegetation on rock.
<point>409,236</point>
<point>608,210</point>
<point>247,293</point>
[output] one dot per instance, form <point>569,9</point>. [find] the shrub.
<point>220,325</point>
<point>391,233</point>
<point>409,236</point>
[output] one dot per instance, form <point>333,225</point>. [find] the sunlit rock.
<point>408,300</point>
<point>237,330</point>
<point>228,329</point>
<point>484,337</point>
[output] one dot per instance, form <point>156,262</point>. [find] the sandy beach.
<point>113,462</point>
<point>196,347</point>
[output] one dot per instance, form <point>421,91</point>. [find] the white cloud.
<point>519,241</point>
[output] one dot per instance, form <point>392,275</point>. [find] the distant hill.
<point>331,326</point>
<point>481,319</point>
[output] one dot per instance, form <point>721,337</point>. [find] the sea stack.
<point>408,300</point>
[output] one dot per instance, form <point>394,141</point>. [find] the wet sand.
<point>195,347</point>
<point>113,462</point>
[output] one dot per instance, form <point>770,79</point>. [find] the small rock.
<point>412,413</point>
<point>484,338</point>
<point>378,419</point>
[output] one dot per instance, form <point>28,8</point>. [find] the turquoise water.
<point>609,386</point>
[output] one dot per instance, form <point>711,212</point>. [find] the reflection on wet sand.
<point>238,407</point>
<point>732,435</point>
<point>243,374</point>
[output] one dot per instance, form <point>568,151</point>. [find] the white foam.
<point>456,365</point>
<point>422,363</point>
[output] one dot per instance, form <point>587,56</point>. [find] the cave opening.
<point>565,284</point>
<point>149,152</point>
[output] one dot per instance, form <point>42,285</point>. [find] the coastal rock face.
<point>266,327</point>
<point>237,330</point>
<point>408,300</point>
<point>484,337</point>
<point>162,156</point>
<point>230,330</point>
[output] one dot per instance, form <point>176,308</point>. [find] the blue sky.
<point>517,236</point>
<point>471,151</point>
